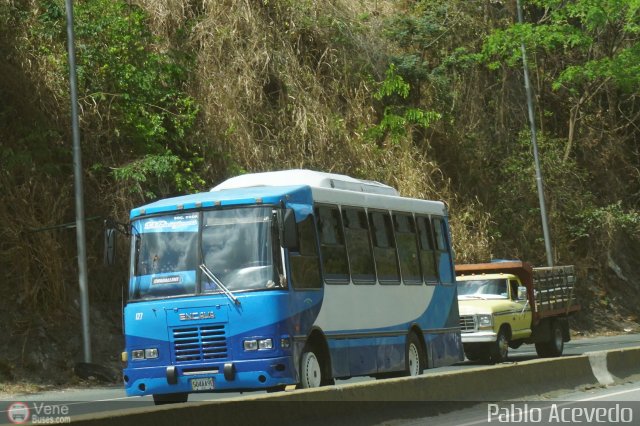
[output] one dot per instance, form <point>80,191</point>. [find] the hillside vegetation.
<point>425,95</point>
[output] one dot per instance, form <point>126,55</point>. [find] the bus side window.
<point>384,248</point>
<point>356,231</point>
<point>427,252</point>
<point>333,252</point>
<point>407,248</point>
<point>305,269</point>
<point>440,238</point>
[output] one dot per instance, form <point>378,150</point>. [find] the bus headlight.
<point>258,344</point>
<point>485,320</point>
<point>265,344</point>
<point>251,345</point>
<point>140,354</point>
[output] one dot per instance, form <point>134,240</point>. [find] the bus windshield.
<point>481,288</point>
<point>236,245</point>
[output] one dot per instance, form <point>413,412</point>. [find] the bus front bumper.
<point>233,375</point>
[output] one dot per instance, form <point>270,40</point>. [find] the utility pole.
<point>79,190</point>
<point>534,142</point>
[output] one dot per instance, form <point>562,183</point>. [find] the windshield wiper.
<point>217,282</point>
<point>472,296</point>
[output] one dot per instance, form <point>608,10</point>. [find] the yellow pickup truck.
<point>506,304</point>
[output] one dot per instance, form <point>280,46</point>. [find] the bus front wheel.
<point>310,371</point>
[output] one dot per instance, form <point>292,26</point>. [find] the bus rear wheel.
<point>414,357</point>
<point>310,371</point>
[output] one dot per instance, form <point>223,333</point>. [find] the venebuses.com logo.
<point>39,413</point>
<point>18,413</point>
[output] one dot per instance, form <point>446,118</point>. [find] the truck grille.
<point>467,323</point>
<point>199,343</point>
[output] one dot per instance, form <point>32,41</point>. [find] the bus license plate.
<point>202,384</point>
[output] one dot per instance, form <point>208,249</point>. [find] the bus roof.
<point>294,186</point>
<point>240,196</point>
<point>306,177</point>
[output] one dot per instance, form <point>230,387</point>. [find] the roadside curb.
<point>353,404</point>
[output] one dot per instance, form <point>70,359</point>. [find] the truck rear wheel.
<point>553,347</point>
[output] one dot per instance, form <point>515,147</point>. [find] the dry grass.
<point>281,84</point>
<point>35,262</point>
<point>11,390</point>
<point>287,84</point>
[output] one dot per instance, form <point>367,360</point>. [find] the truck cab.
<point>494,310</point>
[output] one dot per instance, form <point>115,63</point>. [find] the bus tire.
<point>414,356</point>
<point>310,370</point>
<point>169,398</point>
<point>555,345</point>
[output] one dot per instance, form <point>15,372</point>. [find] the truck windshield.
<point>493,287</point>
<point>236,245</point>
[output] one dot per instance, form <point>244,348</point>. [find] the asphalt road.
<point>88,400</point>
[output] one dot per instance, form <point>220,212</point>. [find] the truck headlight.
<point>151,353</point>
<point>485,320</point>
<point>137,354</point>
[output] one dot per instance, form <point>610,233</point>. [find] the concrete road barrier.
<point>623,363</point>
<point>372,402</point>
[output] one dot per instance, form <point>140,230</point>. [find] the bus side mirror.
<point>522,293</point>
<point>289,230</point>
<point>109,245</point>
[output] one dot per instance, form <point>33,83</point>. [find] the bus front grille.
<point>467,323</point>
<point>199,343</point>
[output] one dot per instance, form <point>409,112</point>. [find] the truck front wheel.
<point>553,347</point>
<point>500,349</point>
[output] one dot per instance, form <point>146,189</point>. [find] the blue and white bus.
<point>287,278</point>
